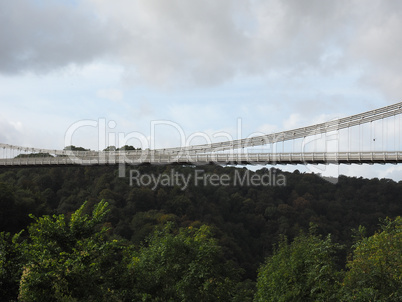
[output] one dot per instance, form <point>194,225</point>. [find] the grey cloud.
<point>41,36</point>
<point>377,45</point>
<point>207,42</point>
<point>197,40</point>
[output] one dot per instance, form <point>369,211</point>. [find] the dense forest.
<point>86,234</point>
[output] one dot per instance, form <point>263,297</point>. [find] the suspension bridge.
<point>365,138</point>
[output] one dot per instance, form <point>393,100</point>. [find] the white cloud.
<point>392,172</point>
<point>114,95</point>
<point>15,132</point>
<point>9,130</point>
<point>295,120</point>
<point>268,129</point>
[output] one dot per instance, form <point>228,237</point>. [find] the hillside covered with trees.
<point>306,240</point>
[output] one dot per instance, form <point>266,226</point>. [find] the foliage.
<point>7,206</point>
<point>303,270</point>
<point>182,267</point>
<point>30,155</point>
<point>375,272</point>
<point>70,260</point>
<point>110,148</point>
<point>74,148</point>
<point>123,148</point>
<point>247,220</point>
<point>11,264</point>
<point>128,148</point>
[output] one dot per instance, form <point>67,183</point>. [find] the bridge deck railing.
<point>218,158</point>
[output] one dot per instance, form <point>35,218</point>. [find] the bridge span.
<point>235,152</point>
<point>217,158</point>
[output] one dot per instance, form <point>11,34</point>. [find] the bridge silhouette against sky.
<point>366,138</point>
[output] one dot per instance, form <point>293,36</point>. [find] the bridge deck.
<point>218,158</point>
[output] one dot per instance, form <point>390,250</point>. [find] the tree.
<point>127,148</point>
<point>11,265</point>
<point>184,266</point>
<point>7,207</point>
<point>303,270</point>
<point>70,260</point>
<point>29,155</point>
<point>110,148</point>
<point>375,272</point>
<point>74,148</point>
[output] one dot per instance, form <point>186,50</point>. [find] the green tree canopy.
<point>303,270</point>
<point>74,148</point>
<point>375,272</point>
<point>110,148</point>
<point>183,266</point>
<point>29,155</point>
<point>70,260</point>
<point>128,148</point>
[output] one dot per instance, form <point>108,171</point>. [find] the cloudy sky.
<point>138,70</point>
